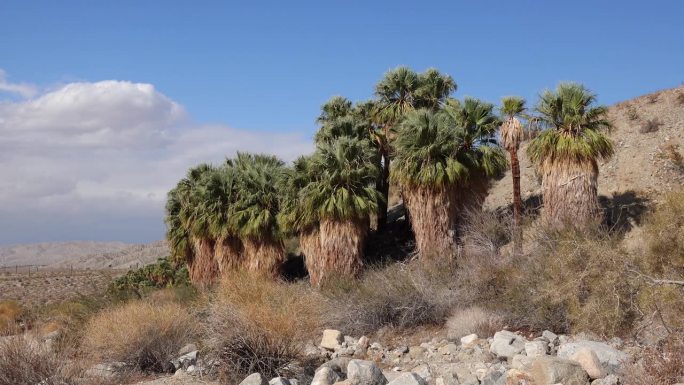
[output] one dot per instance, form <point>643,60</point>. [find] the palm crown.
<point>574,126</point>
<point>511,128</point>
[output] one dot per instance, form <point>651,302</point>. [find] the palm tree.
<point>340,198</point>
<point>442,159</point>
<point>511,136</point>
<point>187,226</point>
<point>567,152</point>
<point>336,107</point>
<point>402,90</point>
<point>217,200</point>
<point>255,212</point>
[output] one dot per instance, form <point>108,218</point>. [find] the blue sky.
<point>196,80</point>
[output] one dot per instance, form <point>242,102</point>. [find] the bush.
<point>399,295</point>
<point>651,125</point>
<point>463,322</point>
<point>10,313</point>
<point>632,114</point>
<point>24,362</point>
<point>146,336</point>
<point>162,274</point>
<point>257,325</point>
<point>662,365</point>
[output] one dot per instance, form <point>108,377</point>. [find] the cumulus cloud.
<point>23,89</point>
<point>95,160</point>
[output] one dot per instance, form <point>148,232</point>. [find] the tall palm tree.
<point>255,212</point>
<point>341,199</point>
<point>442,158</point>
<point>511,135</point>
<point>567,152</point>
<point>402,90</point>
<point>336,107</point>
<point>188,228</point>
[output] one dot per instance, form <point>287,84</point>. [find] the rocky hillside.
<point>648,135</point>
<point>83,254</point>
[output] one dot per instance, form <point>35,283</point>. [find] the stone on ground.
<point>332,339</point>
<point>589,362</point>
<point>325,376</point>
<point>408,379</point>
<point>361,372</point>
<point>507,344</point>
<point>254,379</point>
<point>469,339</point>
<point>553,370</point>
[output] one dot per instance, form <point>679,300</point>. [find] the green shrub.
<point>161,274</point>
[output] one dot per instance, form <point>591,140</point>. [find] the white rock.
<point>550,336</point>
<point>552,370</point>
<point>611,358</point>
<point>254,379</point>
<point>507,344</point>
<point>610,379</point>
<point>408,379</point>
<point>279,381</point>
<point>325,376</point>
<point>535,348</point>
<point>469,339</point>
<point>424,371</point>
<point>361,372</point>
<point>363,342</point>
<point>331,339</point>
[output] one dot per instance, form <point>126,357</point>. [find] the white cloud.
<point>23,89</point>
<point>95,160</point>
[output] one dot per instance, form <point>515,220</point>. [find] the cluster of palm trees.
<point>439,152</point>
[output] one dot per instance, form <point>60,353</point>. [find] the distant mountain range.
<point>83,254</point>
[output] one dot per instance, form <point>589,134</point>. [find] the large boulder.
<point>507,344</point>
<point>408,379</point>
<point>360,372</point>
<point>589,362</point>
<point>610,379</point>
<point>554,370</point>
<point>254,379</point>
<point>279,381</point>
<point>332,339</point>
<point>325,376</point>
<point>611,358</point>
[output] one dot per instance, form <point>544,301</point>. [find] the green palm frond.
<point>574,126</point>
<point>336,107</point>
<point>512,106</point>
<point>433,89</point>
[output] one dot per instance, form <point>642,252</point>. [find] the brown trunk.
<point>569,189</point>
<point>228,253</point>
<point>383,187</point>
<point>340,250</point>
<point>433,219</point>
<point>203,269</point>
<point>264,256</point>
<point>517,202</point>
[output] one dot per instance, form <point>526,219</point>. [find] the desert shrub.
<point>23,361</point>
<point>145,336</point>
<point>659,365</point>
<point>632,114</point>
<point>162,274</point>
<point>399,295</point>
<point>652,98</point>
<point>10,313</point>
<point>485,232</point>
<point>465,321</point>
<point>680,98</point>
<point>670,152</point>
<point>651,125</point>
<point>257,325</point>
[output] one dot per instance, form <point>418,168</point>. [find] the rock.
<point>408,379</point>
<point>416,352</point>
<point>331,339</point>
<point>506,344</point>
<point>516,377</point>
<point>338,364</point>
<point>522,363</point>
<point>610,379</point>
<point>363,342</point>
<point>611,358</point>
<point>279,381</point>
<point>552,370</point>
<point>254,379</point>
<point>464,375</point>
<point>361,372</point>
<point>424,371</point>
<point>376,346</point>
<point>350,341</point>
<point>325,376</point>
<point>589,362</point>
<point>186,360</point>
<point>448,349</point>
<point>493,375</point>
<point>447,380</point>
<point>187,349</point>
<point>469,339</point>
<point>550,336</point>
<point>191,369</point>
<point>535,348</point>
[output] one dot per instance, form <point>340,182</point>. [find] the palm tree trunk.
<point>433,219</point>
<point>228,252</point>
<point>383,187</point>
<point>340,250</point>
<point>264,256</point>
<point>569,189</point>
<point>203,269</point>
<point>517,202</point>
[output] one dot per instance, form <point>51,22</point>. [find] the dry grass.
<point>632,114</point>
<point>340,250</point>
<point>10,312</point>
<point>662,365</point>
<point>24,362</point>
<point>258,325</point>
<point>144,335</point>
<point>651,125</point>
<point>482,322</point>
